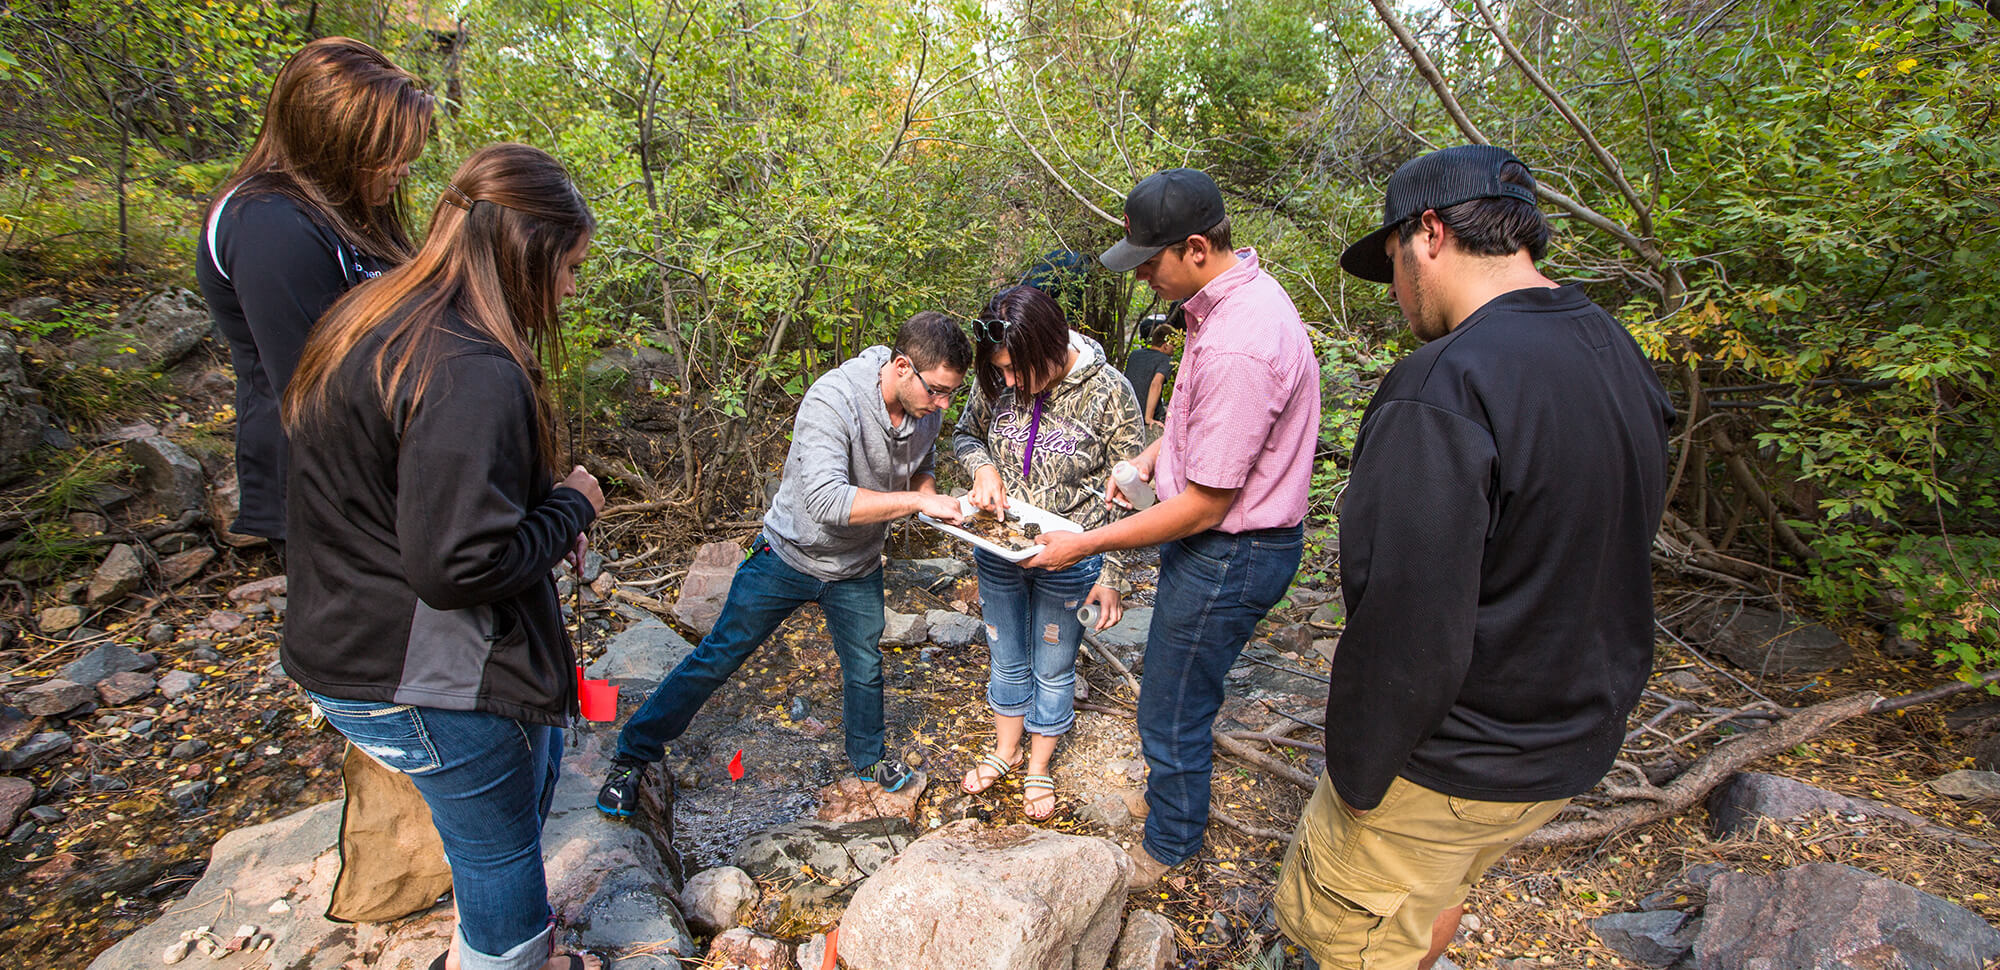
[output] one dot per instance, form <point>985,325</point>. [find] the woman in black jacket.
<point>425,515</point>
<point>312,210</point>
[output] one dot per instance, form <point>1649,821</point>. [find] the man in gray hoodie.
<point>860,458</point>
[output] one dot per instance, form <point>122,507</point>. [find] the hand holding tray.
<point>1044,520</point>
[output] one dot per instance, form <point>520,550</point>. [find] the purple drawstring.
<point>1034,426</point>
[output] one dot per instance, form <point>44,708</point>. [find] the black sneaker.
<point>620,795</point>
<point>891,774</point>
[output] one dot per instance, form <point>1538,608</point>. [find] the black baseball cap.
<point>1442,178</point>
<point>1163,209</point>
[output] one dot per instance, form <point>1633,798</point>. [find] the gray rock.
<point>934,576</point>
<point>56,619</point>
<point>706,585</point>
<point>1127,637</point>
<point>838,852</point>
<point>259,590</point>
<point>174,683</point>
<point>1735,805</point>
<point>1042,900</point>
<point>1308,596</point>
<point>606,880</point>
<point>717,899</point>
<point>174,543</point>
<point>903,629</point>
<point>1331,614</point>
<point>225,621</point>
<point>20,423</point>
<point>23,832</point>
<point>1770,643</point>
<point>191,748</point>
<point>1656,938</point>
<point>105,660</point>
<point>1147,942</point>
<point>124,687</point>
<point>1834,917</point>
<point>632,906</point>
<point>811,954</point>
<point>173,475</point>
<point>109,783</point>
<point>160,634</point>
<point>46,814</point>
<point>183,566</point>
<point>1969,785</point>
<point>34,750</point>
<point>87,523</point>
<point>160,330</point>
<point>949,628</point>
<point>16,794</point>
<point>41,308</point>
<point>120,573</point>
<point>641,656</point>
<point>742,949</point>
<point>52,698</point>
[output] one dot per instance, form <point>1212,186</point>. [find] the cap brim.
<point>1126,257</point>
<point>1368,259</point>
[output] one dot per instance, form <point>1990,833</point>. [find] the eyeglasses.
<point>990,331</point>
<point>946,396</point>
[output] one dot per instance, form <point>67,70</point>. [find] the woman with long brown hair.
<point>312,210</point>
<point>426,515</point>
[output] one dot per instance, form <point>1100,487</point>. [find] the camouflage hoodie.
<point>1090,421</point>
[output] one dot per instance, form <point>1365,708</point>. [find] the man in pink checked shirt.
<point>1231,471</point>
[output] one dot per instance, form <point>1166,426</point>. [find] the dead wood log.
<point>1257,759</point>
<point>1707,772</point>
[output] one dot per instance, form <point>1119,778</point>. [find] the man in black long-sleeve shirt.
<point>1494,541</point>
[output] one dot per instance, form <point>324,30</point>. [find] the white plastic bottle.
<point>1137,490</point>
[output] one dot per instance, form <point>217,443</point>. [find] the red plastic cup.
<point>599,698</point>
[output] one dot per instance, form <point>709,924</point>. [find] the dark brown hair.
<point>1036,339</point>
<point>931,339</point>
<point>1493,227</point>
<point>339,115</point>
<point>490,259</point>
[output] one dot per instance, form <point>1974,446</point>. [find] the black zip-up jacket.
<point>283,270</point>
<point>1494,546</point>
<point>422,540</point>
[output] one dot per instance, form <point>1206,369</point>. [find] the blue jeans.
<point>1214,588</point>
<point>489,781</point>
<point>765,591</point>
<point>1031,637</point>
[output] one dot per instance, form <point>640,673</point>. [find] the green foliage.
<point>1946,591</point>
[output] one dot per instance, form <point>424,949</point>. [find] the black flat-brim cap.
<point>1438,180</point>
<point>1163,209</point>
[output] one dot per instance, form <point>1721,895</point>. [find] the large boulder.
<point>606,879</point>
<point>970,897</point>
<point>173,475</point>
<point>154,333</point>
<point>105,660</point>
<point>949,628</point>
<point>706,585</point>
<point>820,863</point>
<point>1833,917</point>
<point>1735,806</point>
<point>1769,643</point>
<point>641,656</point>
<point>1968,785</point>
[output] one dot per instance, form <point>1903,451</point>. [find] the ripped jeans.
<point>489,781</point>
<point>1032,635</point>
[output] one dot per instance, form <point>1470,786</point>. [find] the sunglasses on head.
<point>991,331</point>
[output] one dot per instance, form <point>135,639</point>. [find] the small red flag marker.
<point>736,766</point>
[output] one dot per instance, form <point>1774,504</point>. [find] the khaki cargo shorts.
<point>1360,891</point>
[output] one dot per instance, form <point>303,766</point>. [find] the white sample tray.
<point>1049,521</point>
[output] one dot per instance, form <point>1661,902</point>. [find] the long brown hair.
<point>491,258</point>
<point>339,115</point>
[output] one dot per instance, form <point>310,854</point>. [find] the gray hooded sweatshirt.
<point>842,441</point>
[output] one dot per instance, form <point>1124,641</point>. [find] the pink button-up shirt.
<point>1245,411</point>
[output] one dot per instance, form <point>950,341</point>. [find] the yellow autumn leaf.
<point>1906,65</point>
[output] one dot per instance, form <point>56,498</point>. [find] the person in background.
<point>1233,470</point>
<point>427,506</point>
<point>1049,420</point>
<point>312,210</point>
<point>1150,369</point>
<point>1495,543</point>
<point>861,458</point>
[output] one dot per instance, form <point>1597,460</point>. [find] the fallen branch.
<point>1099,651</point>
<point>1257,759</point>
<point>1707,772</point>
<point>1222,815</point>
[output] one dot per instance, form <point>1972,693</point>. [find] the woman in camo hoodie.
<point>1049,420</point>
